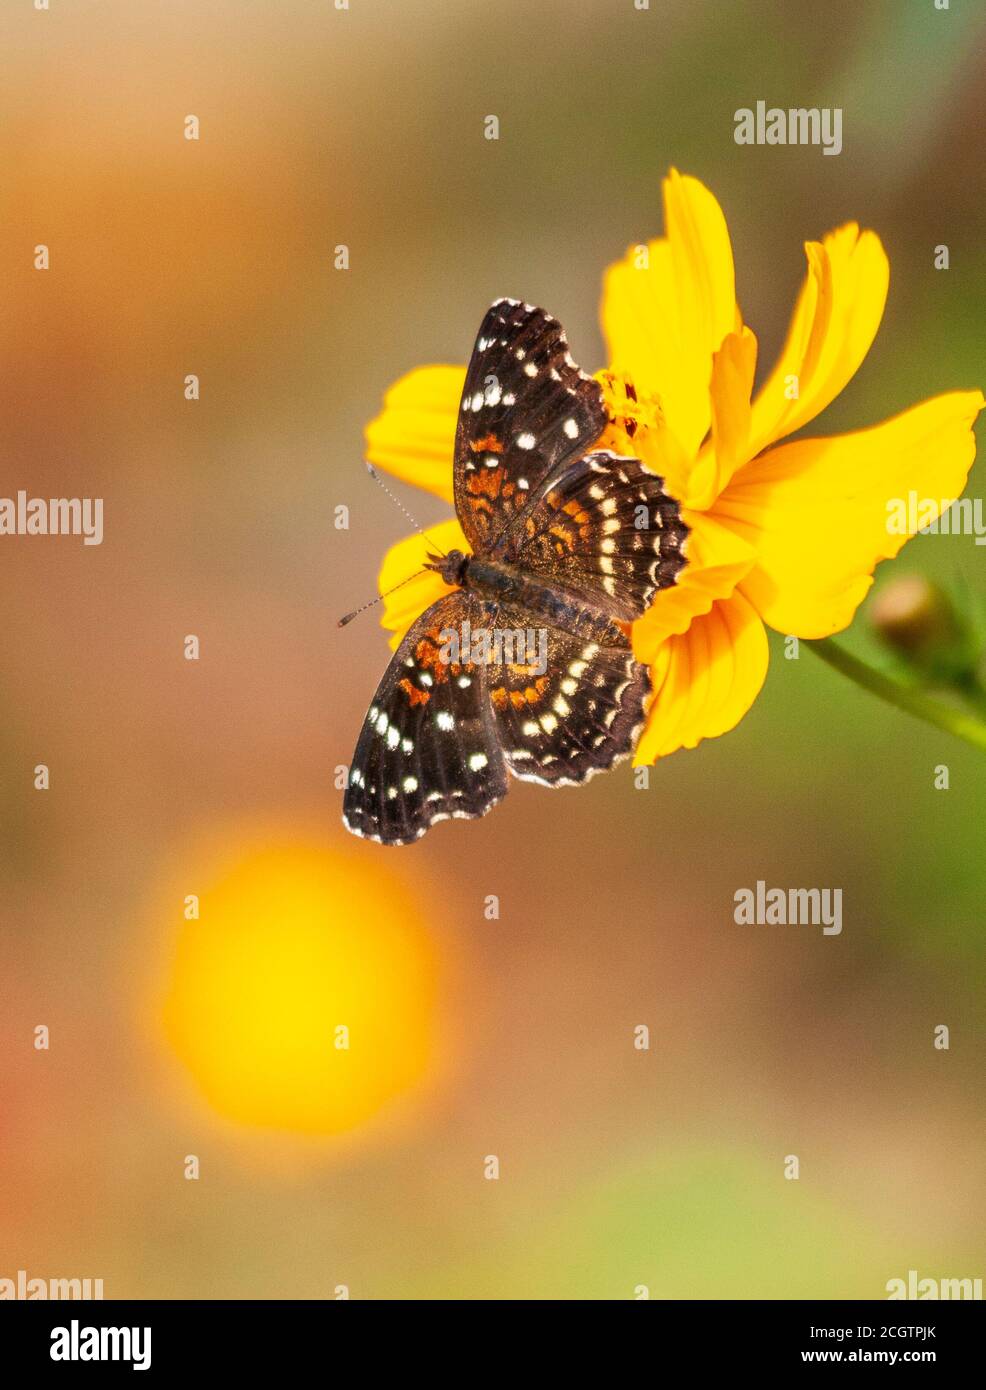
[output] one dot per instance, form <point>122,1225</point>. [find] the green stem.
<point>973,693</point>
<point>914,702</point>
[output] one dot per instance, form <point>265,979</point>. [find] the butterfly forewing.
<point>526,408</point>
<point>428,749</point>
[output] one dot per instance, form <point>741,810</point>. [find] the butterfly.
<point>526,667</point>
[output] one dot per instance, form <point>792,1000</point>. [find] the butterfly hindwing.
<point>569,707</point>
<point>526,408</point>
<point>605,526</point>
<point>428,749</point>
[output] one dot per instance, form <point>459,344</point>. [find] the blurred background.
<point>173,1036</point>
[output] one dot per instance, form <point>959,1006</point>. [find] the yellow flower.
<point>783,534</point>
<point>302,997</point>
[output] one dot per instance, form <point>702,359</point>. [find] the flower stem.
<point>914,702</point>
<point>973,693</point>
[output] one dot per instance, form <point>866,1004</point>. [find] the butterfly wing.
<point>526,408</point>
<point>603,527</point>
<point>567,708</point>
<point>428,749</point>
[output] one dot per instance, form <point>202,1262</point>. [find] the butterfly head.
<point>452,567</point>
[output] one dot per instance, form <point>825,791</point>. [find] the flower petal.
<point>717,559</point>
<point>417,590</point>
<point>413,437</point>
<point>733,369</point>
<point>705,679</point>
<point>821,512</point>
<point>665,313</point>
<point>836,318</point>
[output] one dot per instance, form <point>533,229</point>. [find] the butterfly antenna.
<point>364,606</point>
<point>400,505</point>
<point>420,530</point>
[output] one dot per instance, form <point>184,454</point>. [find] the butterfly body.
<point>525,667</point>
<point>496,583</point>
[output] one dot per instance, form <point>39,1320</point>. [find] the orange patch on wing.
<point>533,693</point>
<point>428,654</point>
<point>414,695</point>
<point>526,695</point>
<point>486,483</point>
<point>489,444</point>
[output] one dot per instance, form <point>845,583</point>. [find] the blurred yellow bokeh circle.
<point>302,997</point>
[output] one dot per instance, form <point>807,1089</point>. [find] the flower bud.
<point>918,620</point>
<point>913,616</point>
